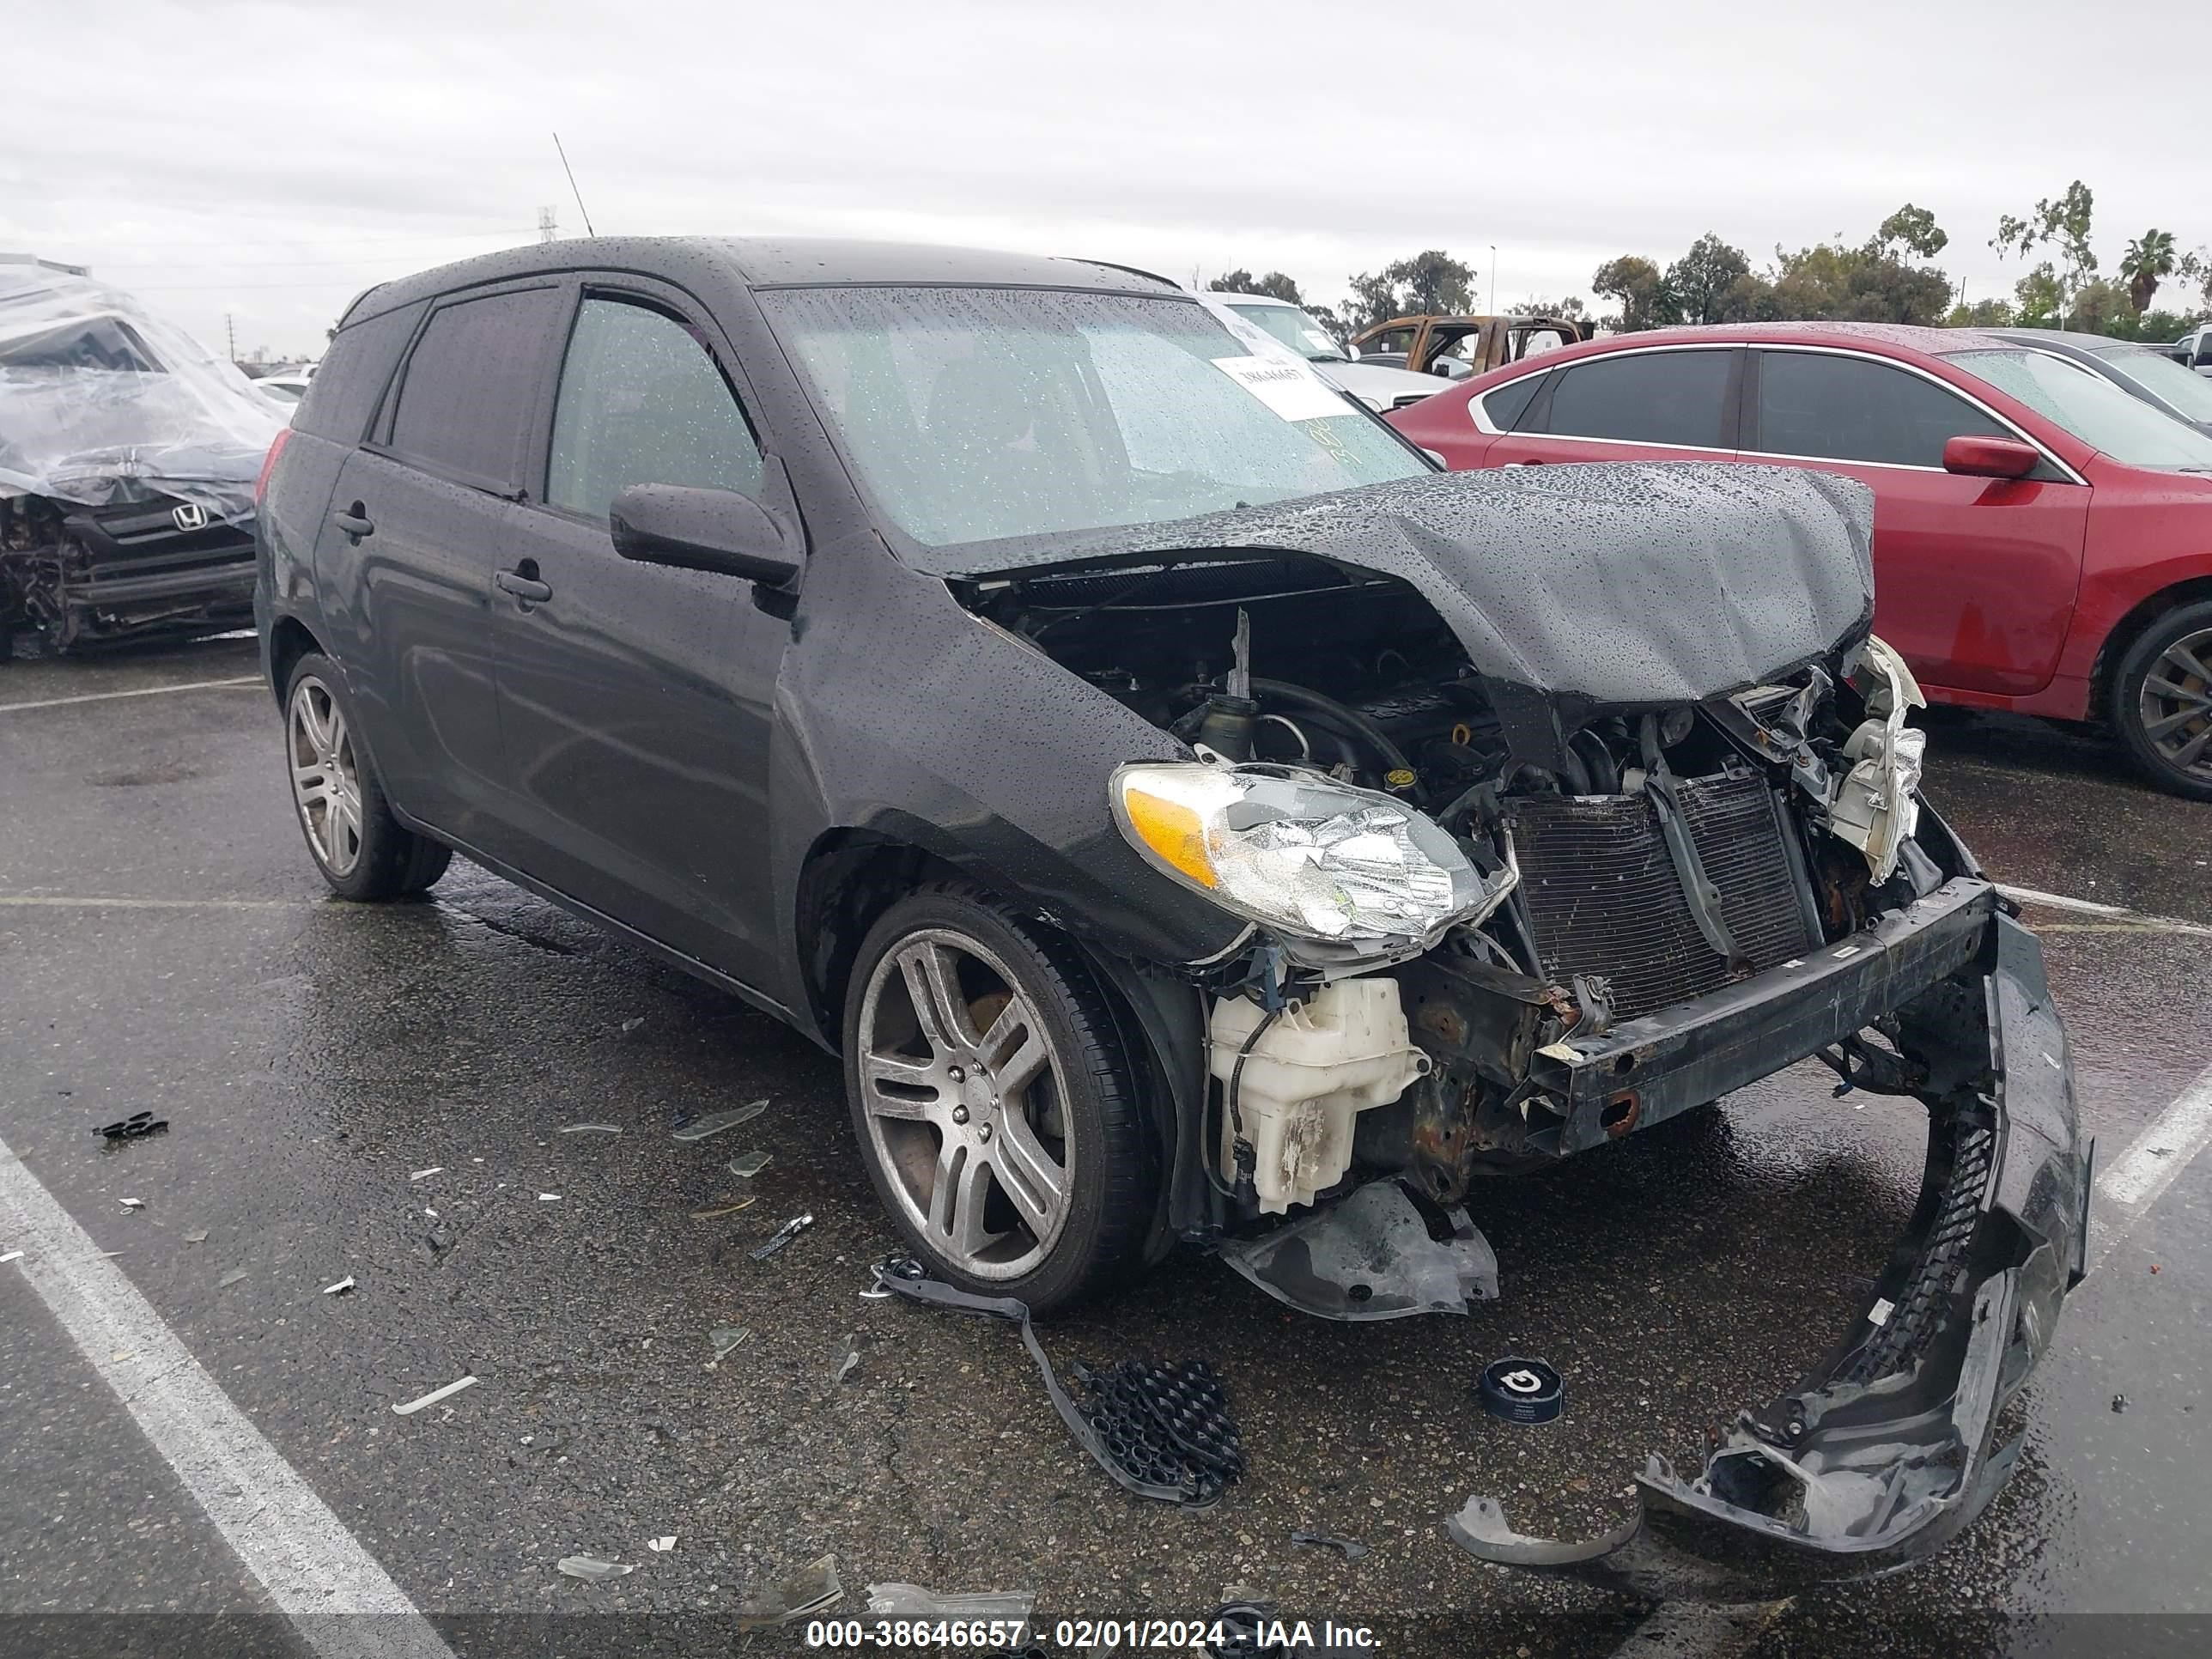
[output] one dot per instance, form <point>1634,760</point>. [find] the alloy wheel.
<point>965,1104</point>
<point>2175,706</point>
<point>325,776</point>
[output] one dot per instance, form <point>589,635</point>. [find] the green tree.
<point>2102,306</point>
<point>1833,282</point>
<point>1274,284</point>
<point>2061,223</point>
<point>1702,279</point>
<point>1914,229</point>
<point>1432,283</point>
<point>1982,314</point>
<point>2042,297</point>
<point>1639,290</point>
<point>2149,260</point>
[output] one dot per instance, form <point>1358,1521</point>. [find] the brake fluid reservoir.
<point>1320,1064</point>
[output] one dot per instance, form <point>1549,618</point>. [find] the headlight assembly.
<point>1315,859</point>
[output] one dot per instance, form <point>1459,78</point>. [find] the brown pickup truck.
<point>1457,347</point>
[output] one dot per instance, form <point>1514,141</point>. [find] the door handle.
<point>522,582</point>
<point>355,521</point>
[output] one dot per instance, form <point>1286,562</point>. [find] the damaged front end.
<point>128,458</point>
<point>1556,806</point>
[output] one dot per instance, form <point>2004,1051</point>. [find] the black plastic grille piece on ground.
<point>1603,897</point>
<point>1166,1425</point>
<point>1161,1431</point>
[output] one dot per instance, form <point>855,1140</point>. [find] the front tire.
<point>2161,703</point>
<point>996,1106</point>
<point>364,853</point>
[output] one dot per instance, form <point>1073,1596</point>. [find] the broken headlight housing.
<point>1315,859</point>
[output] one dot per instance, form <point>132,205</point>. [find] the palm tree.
<point>2149,258</point>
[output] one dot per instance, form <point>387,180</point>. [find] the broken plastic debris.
<point>750,1165</point>
<point>2119,1402</point>
<point>806,1590</point>
<point>632,1024</point>
<point>783,1235</point>
<point>230,1279</point>
<point>849,1356</point>
<point>549,1198</point>
<point>715,1122</point>
<point>198,1237</point>
<point>12,1255</point>
<point>590,1569</point>
<point>590,1129</point>
<point>709,1215</point>
<point>728,1338</point>
<point>661,1546</point>
<point>1352,1549</point>
<point>340,1288</point>
<point>133,1203</point>
<point>434,1397</point>
<point>898,1601</point>
<point>137,1127</point>
<point>424,1175</point>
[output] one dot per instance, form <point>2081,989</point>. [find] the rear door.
<point>1666,404</point>
<point>1974,578</point>
<point>635,699</point>
<point>409,542</point>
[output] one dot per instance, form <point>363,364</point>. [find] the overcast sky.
<point>266,161</point>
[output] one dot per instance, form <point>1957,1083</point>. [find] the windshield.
<point>2093,409</point>
<point>2164,379</point>
<point>1295,329</point>
<point>976,414</point>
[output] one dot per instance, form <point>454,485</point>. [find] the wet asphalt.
<point>165,945</point>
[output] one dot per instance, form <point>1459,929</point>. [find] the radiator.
<point>1603,897</point>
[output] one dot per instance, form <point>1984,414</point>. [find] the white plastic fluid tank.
<point>1343,1051</point>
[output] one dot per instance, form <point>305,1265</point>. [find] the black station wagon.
<point>1193,816</point>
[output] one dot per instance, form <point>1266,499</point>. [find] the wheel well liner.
<point>2103,674</point>
<point>289,642</point>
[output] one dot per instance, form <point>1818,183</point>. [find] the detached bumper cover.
<point>1886,1450</point>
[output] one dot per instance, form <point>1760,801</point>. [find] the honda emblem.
<point>190,515</point>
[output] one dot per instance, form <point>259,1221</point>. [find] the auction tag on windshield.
<point>1292,389</point>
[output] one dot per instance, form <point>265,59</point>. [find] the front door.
<point>1975,578</point>
<point>635,699</point>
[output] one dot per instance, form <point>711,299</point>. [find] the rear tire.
<point>2162,701</point>
<point>996,1107</point>
<point>363,852</point>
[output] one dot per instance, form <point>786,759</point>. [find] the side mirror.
<point>1351,352</point>
<point>1991,458</point>
<point>693,529</point>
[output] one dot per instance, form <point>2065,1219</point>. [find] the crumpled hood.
<point>1574,589</point>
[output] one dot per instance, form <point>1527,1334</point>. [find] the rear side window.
<point>1846,409</point>
<point>641,401</point>
<point>1511,401</point>
<point>1677,398</point>
<point>471,387</point>
<point>349,381</point>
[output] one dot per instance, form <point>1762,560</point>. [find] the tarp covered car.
<point>128,455</point>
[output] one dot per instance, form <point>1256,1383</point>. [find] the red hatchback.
<point>2043,541</point>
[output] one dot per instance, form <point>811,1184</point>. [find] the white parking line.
<point>94,901</point>
<point>2134,1179</point>
<point>144,691</point>
<point>315,1570</point>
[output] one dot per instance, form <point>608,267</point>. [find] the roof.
<point>1225,297</point>
<point>2070,338</point>
<point>772,262</point>
<point>1938,342</point>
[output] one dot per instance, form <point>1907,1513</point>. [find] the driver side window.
<point>642,402</point>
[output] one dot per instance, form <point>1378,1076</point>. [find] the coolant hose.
<point>1321,703</point>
